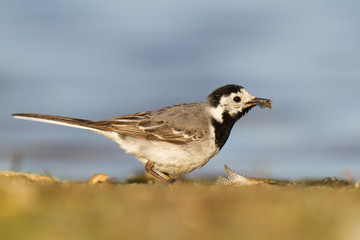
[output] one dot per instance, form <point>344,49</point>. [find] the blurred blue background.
<point>101,59</point>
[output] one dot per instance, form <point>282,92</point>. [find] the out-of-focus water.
<point>100,59</point>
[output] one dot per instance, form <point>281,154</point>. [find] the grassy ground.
<point>41,208</point>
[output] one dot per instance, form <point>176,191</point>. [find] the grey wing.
<point>176,124</point>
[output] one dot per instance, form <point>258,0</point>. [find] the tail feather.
<point>64,121</point>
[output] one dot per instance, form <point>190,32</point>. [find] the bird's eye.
<point>237,99</point>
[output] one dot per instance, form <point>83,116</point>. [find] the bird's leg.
<point>149,168</point>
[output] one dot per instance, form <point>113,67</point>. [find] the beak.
<point>261,102</point>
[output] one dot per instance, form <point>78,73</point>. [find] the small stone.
<point>98,178</point>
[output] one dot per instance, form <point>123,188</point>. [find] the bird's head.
<point>233,101</point>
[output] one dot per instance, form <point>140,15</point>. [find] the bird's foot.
<point>158,175</point>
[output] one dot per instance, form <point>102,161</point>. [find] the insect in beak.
<point>261,102</point>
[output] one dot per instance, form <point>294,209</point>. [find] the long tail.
<point>64,121</point>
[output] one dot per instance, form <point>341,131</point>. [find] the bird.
<point>172,140</point>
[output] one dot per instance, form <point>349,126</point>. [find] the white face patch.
<point>216,113</point>
<point>227,103</point>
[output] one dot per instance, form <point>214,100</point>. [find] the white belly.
<point>170,158</point>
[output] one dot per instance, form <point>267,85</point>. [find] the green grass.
<point>48,209</point>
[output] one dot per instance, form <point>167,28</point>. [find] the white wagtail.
<point>172,140</point>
